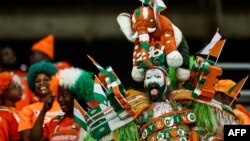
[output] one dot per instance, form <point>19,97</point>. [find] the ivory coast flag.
<point>237,87</point>
<point>207,49</point>
<point>79,115</point>
<point>216,50</point>
<point>99,94</point>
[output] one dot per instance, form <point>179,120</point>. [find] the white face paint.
<point>154,76</point>
<point>155,84</point>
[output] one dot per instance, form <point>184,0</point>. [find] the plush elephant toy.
<point>146,26</point>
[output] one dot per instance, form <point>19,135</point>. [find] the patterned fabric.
<point>162,121</point>
<point>104,119</point>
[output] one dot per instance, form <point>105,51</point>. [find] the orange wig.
<point>5,81</point>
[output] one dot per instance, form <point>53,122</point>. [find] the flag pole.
<point>244,80</point>
<point>101,83</point>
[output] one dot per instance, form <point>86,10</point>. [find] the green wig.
<point>79,82</point>
<point>38,68</point>
<point>84,87</point>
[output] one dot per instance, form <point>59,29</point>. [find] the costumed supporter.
<point>147,25</point>
<point>10,92</point>
<point>158,45</point>
<point>8,125</point>
<point>39,76</point>
<point>66,85</point>
<point>165,118</point>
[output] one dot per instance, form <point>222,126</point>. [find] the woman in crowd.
<point>10,92</point>
<point>39,76</point>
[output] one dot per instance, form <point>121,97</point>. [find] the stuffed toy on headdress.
<point>37,68</point>
<point>45,46</point>
<point>6,78</point>
<point>146,25</point>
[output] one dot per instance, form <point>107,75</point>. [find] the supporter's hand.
<point>48,102</point>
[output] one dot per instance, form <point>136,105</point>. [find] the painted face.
<point>42,85</point>
<point>14,92</point>
<point>155,83</point>
<point>66,100</point>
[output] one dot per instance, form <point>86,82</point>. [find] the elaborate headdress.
<point>155,36</point>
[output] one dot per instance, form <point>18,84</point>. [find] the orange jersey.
<point>61,129</point>
<point>16,113</point>
<point>8,125</point>
<point>27,97</point>
<point>30,113</point>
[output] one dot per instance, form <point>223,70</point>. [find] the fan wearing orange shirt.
<point>67,84</point>
<point>10,92</point>
<point>8,126</point>
<point>39,76</point>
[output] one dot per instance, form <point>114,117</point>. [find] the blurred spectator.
<point>43,50</point>
<point>10,91</point>
<point>39,76</point>
<point>8,60</point>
